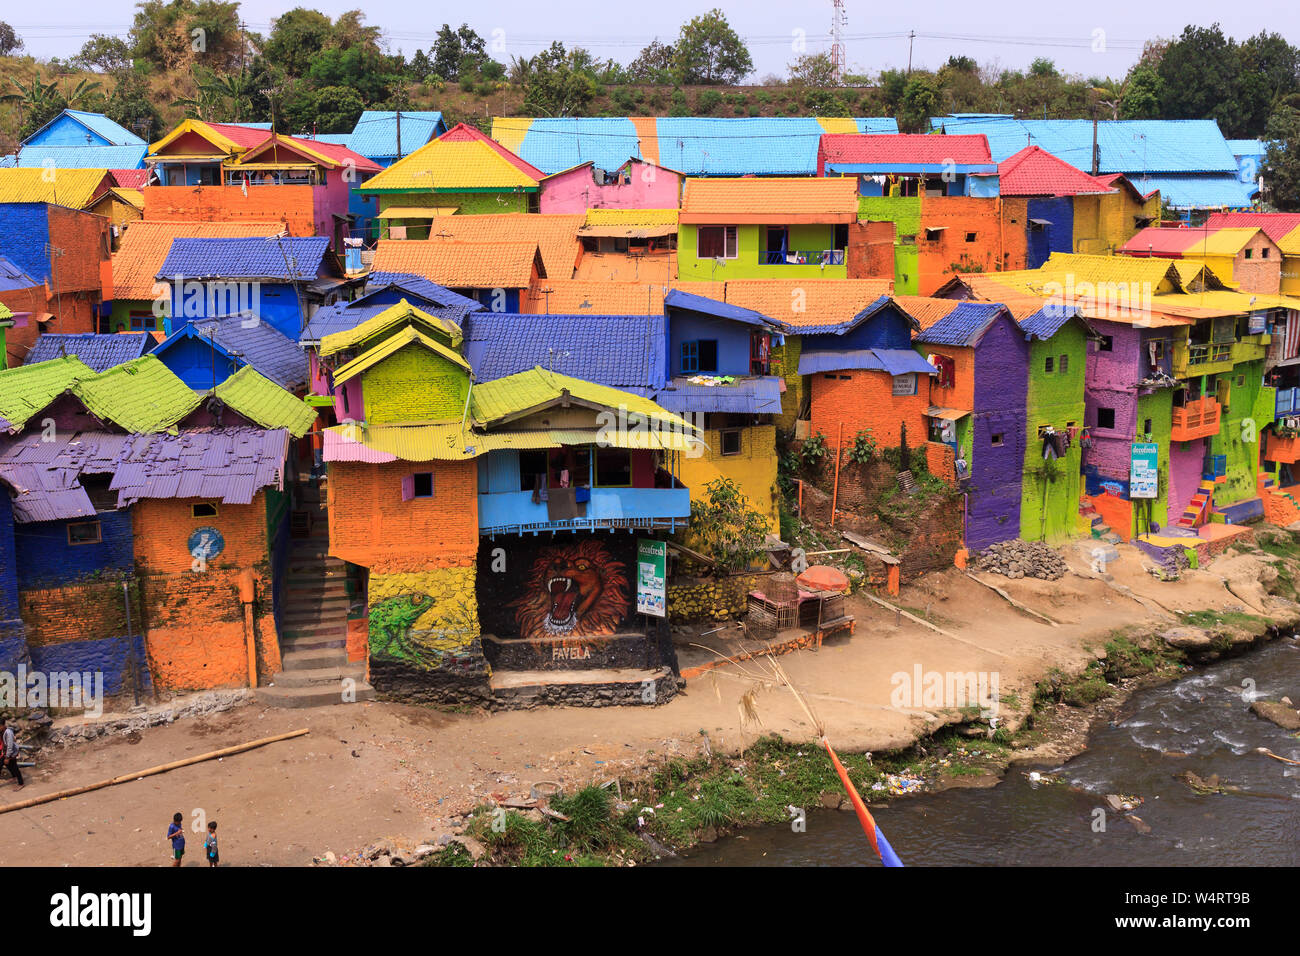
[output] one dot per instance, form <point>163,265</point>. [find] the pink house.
<point>636,184</point>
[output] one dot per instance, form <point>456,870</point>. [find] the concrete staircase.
<point>1198,509</point>
<point>1280,506</point>
<point>314,622</point>
<point>1097,526</point>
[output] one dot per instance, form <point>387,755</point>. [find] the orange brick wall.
<point>864,399</point>
<point>162,527</point>
<point>957,216</point>
<point>84,239</point>
<point>372,526</point>
<point>871,250</point>
<point>939,460</point>
<point>292,205</point>
<point>74,311</point>
<point>1013,235</point>
<point>961,394</point>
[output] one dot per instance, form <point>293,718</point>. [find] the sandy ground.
<point>373,770</point>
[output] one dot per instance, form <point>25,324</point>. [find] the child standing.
<point>210,844</point>
<point>176,833</point>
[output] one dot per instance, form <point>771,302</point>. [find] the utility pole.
<point>399,134</point>
<point>911,35</point>
<point>1096,154</point>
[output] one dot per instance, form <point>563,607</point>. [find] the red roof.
<point>1114,180</point>
<point>337,152</point>
<point>129,178</point>
<point>246,136</point>
<point>1275,225</point>
<point>462,132</point>
<point>1035,172</point>
<point>1166,243</point>
<point>899,148</point>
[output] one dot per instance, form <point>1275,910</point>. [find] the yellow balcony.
<point>1202,359</point>
<point>1198,419</point>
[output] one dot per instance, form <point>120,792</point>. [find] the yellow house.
<point>1289,246</point>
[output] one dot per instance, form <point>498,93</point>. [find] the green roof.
<point>523,391</point>
<point>27,389</point>
<point>142,395</point>
<point>265,403</point>
<point>402,312</point>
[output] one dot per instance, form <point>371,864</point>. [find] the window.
<point>423,484</point>
<point>731,442</point>
<point>716,242</point>
<point>84,532</point>
<point>613,467</point>
<point>204,509</point>
<point>532,466</point>
<point>1146,426</point>
<point>1263,253</point>
<point>933,235</point>
<point>996,439</point>
<point>1047,366</point>
<point>970,237</point>
<point>1105,418</point>
<point>1106,344</point>
<point>143,322</point>
<point>905,384</point>
<point>1064,364</point>
<point>700,356</point>
<point>1241,381</point>
<point>1248,253</point>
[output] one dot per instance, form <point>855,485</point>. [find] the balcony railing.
<point>515,512</point>
<point>1198,419</point>
<point>1209,354</point>
<point>804,257</point>
<point>1288,402</point>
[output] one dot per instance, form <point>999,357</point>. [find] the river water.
<point>1204,715</point>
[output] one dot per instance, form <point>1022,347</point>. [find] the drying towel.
<point>563,504</point>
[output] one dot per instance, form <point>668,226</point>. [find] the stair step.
<point>616,685</point>
<point>324,642</point>
<point>309,659</point>
<point>311,696</point>
<point>318,676</point>
<point>1111,538</point>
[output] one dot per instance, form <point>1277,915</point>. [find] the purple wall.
<point>1184,475</point>
<point>1110,383</point>
<point>1001,386</point>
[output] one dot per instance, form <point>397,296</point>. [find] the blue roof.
<point>375,135</point>
<point>422,287</point>
<point>258,258</point>
<point>1047,321</point>
<point>678,299</point>
<point>339,317</point>
<point>890,361</point>
<point>101,351</point>
<point>1126,146</point>
<point>1247,147</point>
<point>1207,191</point>
<point>621,351</point>
<point>338,139</point>
<point>82,157</point>
<point>564,142</point>
<point>746,396</point>
<point>839,328</point>
<point>257,344</point>
<point>964,325</point>
<point>13,278</point>
<point>111,132</point>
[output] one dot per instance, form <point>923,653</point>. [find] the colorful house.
<point>1241,256</point>
<point>495,274</point>
<point>633,184</point>
<point>628,245</point>
<point>765,228</point>
<point>76,139</point>
<point>203,353</point>
<point>910,165</point>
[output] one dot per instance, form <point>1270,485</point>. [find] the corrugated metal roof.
<point>81,157</point>
<point>621,351</point>
<point>113,133</point>
<point>963,326</point>
<point>555,144</point>
<point>418,285</point>
<point>375,134</point>
<point>99,351</point>
<point>889,361</point>
<point>265,403</point>
<point>1203,191</point>
<point>681,299</point>
<point>504,397</point>
<point>13,278</point>
<point>28,389</point>
<point>393,316</point>
<point>75,188</point>
<point>745,396</point>
<point>142,395</point>
<point>285,258</point>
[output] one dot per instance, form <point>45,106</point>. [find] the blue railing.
<point>1288,401</point>
<point>804,257</point>
<point>515,512</point>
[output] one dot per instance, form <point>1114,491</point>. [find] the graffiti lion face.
<point>574,590</point>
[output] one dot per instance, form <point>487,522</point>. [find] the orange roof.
<point>801,301</point>
<point>928,310</point>
<point>146,243</point>
<point>622,267</point>
<point>603,297</point>
<point>462,265</point>
<point>774,200</point>
<point>555,235</point>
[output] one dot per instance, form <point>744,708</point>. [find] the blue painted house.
<point>376,137</point>
<point>278,279</point>
<point>203,353</point>
<point>79,140</point>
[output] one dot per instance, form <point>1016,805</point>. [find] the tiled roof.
<point>1157,241</point>
<point>1046,322</point>
<point>1247,147</point>
<point>631,217</point>
<point>75,188</point>
<point>113,133</point>
<point>230,464</point>
<point>288,258</point>
<point>839,326</point>
<point>27,389</point>
<point>422,287</point>
<point>1035,172</point>
<point>81,157</point>
<point>257,343</point>
<point>229,139</point>
<point>492,401</point>
<point>905,149</point>
<point>461,265</point>
<point>555,235</point>
<point>99,351</point>
<point>329,155</point>
<point>889,361</point>
<point>375,134</point>
<point>745,396</point>
<point>395,316</point>
<point>926,310</point>
<point>682,299</point>
<point>1126,146</point>
<point>621,351</point>
<point>142,395</point>
<point>265,403</point>
<point>555,144</point>
<point>783,200</point>
<point>1124,269</point>
<point>464,133</point>
<point>600,297</point>
<point>451,166</point>
<point>411,335</point>
<point>1290,243</point>
<point>1221,242</point>
<point>964,326</point>
<point>1275,224</point>
<point>339,317</point>
<point>145,246</point>
<point>1206,191</point>
<point>13,278</point>
<point>799,302</point>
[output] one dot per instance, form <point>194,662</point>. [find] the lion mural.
<point>573,591</point>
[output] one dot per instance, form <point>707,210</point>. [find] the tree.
<point>1201,80</point>
<point>39,103</point>
<point>1269,70</point>
<point>107,54</point>
<point>10,42</point>
<point>560,82</point>
<point>892,83</point>
<point>337,109</point>
<point>726,527</point>
<point>813,69</point>
<point>921,99</point>
<point>131,104</point>
<point>654,64</point>
<point>1143,91</point>
<point>1282,160</point>
<point>173,34</point>
<point>235,92</point>
<point>419,67</point>
<point>709,52</point>
<point>296,38</point>
<point>1043,66</point>
<point>457,51</point>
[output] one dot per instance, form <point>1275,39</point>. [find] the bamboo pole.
<point>161,768</point>
<point>1012,601</point>
<point>835,492</point>
<point>925,623</point>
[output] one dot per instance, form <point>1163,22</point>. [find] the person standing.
<point>176,833</point>
<point>9,751</point>
<point>210,844</point>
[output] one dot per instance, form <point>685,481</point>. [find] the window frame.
<point>724,435</point>
<point>216,510</point>
<point>99,532</point>
<point>730,242</point>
